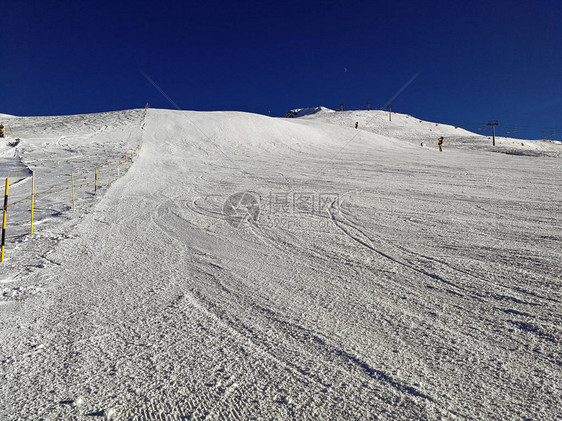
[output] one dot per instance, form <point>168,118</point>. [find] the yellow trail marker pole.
<point>96,184</point>
<point>73,206</point>
<point>4,220</point>
<point>32,198</point>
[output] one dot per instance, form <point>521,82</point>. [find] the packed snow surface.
<point>247,267</point>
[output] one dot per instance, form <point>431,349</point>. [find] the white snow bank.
<point>300,112</point>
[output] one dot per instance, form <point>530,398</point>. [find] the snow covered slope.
<point>415,131</point>
<point>379,280</point>
<point>55,148</point>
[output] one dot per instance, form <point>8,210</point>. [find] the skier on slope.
<point>440,143</point>
<point>1,130</point>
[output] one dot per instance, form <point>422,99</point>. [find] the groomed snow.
<point>420,285</point>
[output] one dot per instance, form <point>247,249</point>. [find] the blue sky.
<point>477,60</point>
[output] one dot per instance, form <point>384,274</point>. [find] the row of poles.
<point>34,195</point>
<point>73,187</point>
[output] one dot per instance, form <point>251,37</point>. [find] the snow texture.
<point>380,279</point>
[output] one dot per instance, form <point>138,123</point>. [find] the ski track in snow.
<point>429,290</point>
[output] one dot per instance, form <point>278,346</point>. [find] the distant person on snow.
<point>421,144</point>
<point>440,143</point>
<point>1,130</point>
<point>356,124</point>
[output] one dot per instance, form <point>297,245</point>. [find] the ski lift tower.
<point>493,123</point>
